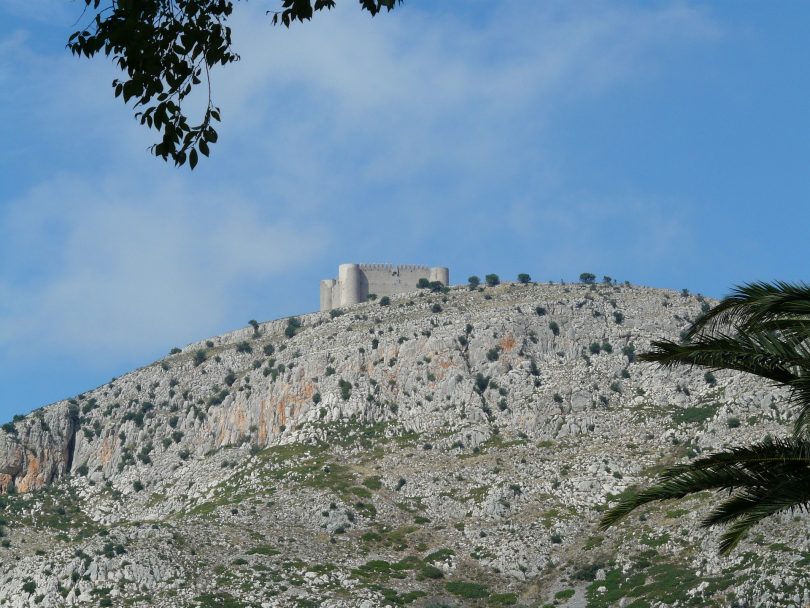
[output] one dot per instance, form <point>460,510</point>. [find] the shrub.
<point>540,311</point>
<point>230,378</point>
<point>174,351</point>
<point>615,386</point>
<point>199,357</point>
<point>431,571</point>
<point>607,346</point>
<point>316,398</point>
<point>269,349</point>
<point>345,389</point>
<point>336,312</point>
<point>685,292</point>
<point>244,347</point>
<point>423,283</point>
<point>29,586</point>
<point>554,327</point>
<point>524,278</point>
<point>629,351</point>
<point>557,398</point>
<point>467,590</point>
<point>492,280</point>
<point>385,301</point>
<point>607,280</point>
<point>184,454</point>
<point>436,308</point>
<point>710,379</point>
<point>136,417</point>
<point>587,277</point>
<point>255,325</point>
<point>137,485</point>
<point>618,317</point>
<point>293,325</point>
<point>594,348</point>
<point>473,282</point>
<point>493,354</point>
<point>82,470</point>
<point>481,382</point>
<point>9,428</point>
<point>733,422</point>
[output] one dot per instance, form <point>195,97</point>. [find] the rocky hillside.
<point>445,450</point>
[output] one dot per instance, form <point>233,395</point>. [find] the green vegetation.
<point>467,590</point>
<point>373,483</point>
<point>345,389</point>
<point>696,414</point>
<point>199,357</point>
<point>219,599</point>
<point>293,327</point>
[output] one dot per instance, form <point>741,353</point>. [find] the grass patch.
<point>466,589</point>
<point>695,415</point>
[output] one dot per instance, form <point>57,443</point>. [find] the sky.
<point>662,143</point>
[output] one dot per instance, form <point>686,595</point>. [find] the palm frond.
<point>764,478</point>
<point>750,305</point>
<point>755,354</point>
<point>761,329</point>
<point>785,493</point>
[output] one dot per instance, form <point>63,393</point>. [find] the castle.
<point>356,281</point>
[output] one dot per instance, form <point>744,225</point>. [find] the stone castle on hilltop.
<point>356,281</point>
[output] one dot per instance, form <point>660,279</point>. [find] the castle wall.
<point>356,281</point>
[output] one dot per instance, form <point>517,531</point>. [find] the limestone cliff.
<point>360,455</point>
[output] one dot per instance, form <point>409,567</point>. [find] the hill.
<point>448,449</point>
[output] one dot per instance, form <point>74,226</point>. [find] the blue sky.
<point>664,143</point>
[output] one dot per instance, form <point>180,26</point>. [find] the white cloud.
<point>346,101</point>
<point>109,267</point>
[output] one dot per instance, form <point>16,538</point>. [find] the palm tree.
<point>762,329</point>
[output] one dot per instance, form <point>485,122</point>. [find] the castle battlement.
<point>356,281</point>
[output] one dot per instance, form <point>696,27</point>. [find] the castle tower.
<point>350,282</point>
<point>327,288</point>
<point>440,274</point>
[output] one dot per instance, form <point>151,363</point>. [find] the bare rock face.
<point>440,449</point>
<point>39,450</point>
